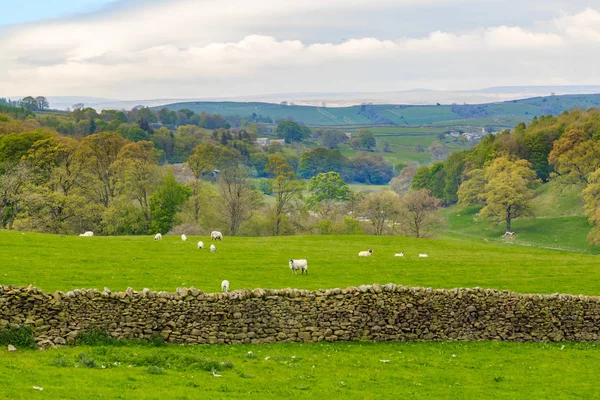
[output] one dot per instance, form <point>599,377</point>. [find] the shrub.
<point>18,336</point>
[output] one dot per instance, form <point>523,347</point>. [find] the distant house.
<point>262,141</point>
<point>349,135</point>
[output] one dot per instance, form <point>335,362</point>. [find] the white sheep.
<point>87,234</point>
<point>183,237</point>
<point>213,248</point>
<point>158,236</point>
<point>200,244</point>
<point>423,255</point>
<point>225,286</point>
<point>301,265</point>
<point>399,254</point>
<point>216,235</point>
<point>365,253</point>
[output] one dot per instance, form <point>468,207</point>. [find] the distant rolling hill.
<point>502,114</point>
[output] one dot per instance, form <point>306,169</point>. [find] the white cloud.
<point>234,47</point>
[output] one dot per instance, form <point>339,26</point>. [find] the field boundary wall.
<point>366,313</point>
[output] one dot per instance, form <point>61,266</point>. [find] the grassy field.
<point>559,223</point>
<point>335,370</point>
<point>342,370</point>
<point>53,262</point>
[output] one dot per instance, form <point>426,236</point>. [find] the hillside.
<point>559,223</point>
<point>499,115</point>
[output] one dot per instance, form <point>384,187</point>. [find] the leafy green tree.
<point>371,168</point>
<point>591,198</point>
<point>166,202</point>
<point>103,149</point>
<point>421,178</point>
<point>16,145</point>
<point>506,193</point>
<point>203,160</point>
<point>321,160</point>
<point>331,138</point>
<point>12,185</point>
<point>454,167</point>
<point>292,131</point>
<point>364,140</point>
<point>327,186</point>
<point>29,103</point>
<point>436,181</point>
<point>575,156</point>
<point>137,164</point>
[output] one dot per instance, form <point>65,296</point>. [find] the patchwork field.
<point>502,114</point>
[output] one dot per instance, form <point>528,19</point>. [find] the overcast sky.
<point>143,49</point>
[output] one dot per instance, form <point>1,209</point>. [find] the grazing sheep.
<point>87,234</point>
<point>213,248</point>
<point>301,265</point>
<point>508,234</point>
<point>399,254</point>
<point>365,253</point>
<point>158,236</point>
<point>225,286</point>
<point>184,238</point>
<point>200,244</point>
<point>423,255</point>
<point>216,235</point>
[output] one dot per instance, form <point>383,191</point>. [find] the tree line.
<point>113,184</point>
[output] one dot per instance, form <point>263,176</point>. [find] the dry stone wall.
<point>372,313</point>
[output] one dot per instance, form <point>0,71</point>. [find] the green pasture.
<point>54,262</point>
<point>418,370</point>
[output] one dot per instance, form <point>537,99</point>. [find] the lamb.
<point>87,234</point>
<point>200,244</point>
<point>365,253</point>
<point>301,265</point>
<point>213,248</point>
<point>184,238</point>
<point>225,286</point>
<point>216,235</point>
<point>423,255</point>
<point>158,236</point>
<point>401,254</point>
<point>508,234</point>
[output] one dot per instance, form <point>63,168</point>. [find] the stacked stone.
<point>370,313</point>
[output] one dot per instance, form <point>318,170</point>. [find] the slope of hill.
<point>504,114</point>
<point>559,223</point>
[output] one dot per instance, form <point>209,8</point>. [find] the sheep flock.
<point>296,265</point>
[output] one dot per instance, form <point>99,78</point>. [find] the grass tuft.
<point>86,361</point>
<point>155,370</point>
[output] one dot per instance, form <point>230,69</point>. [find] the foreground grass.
<point>352,370</point>
<point>53,262</point>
